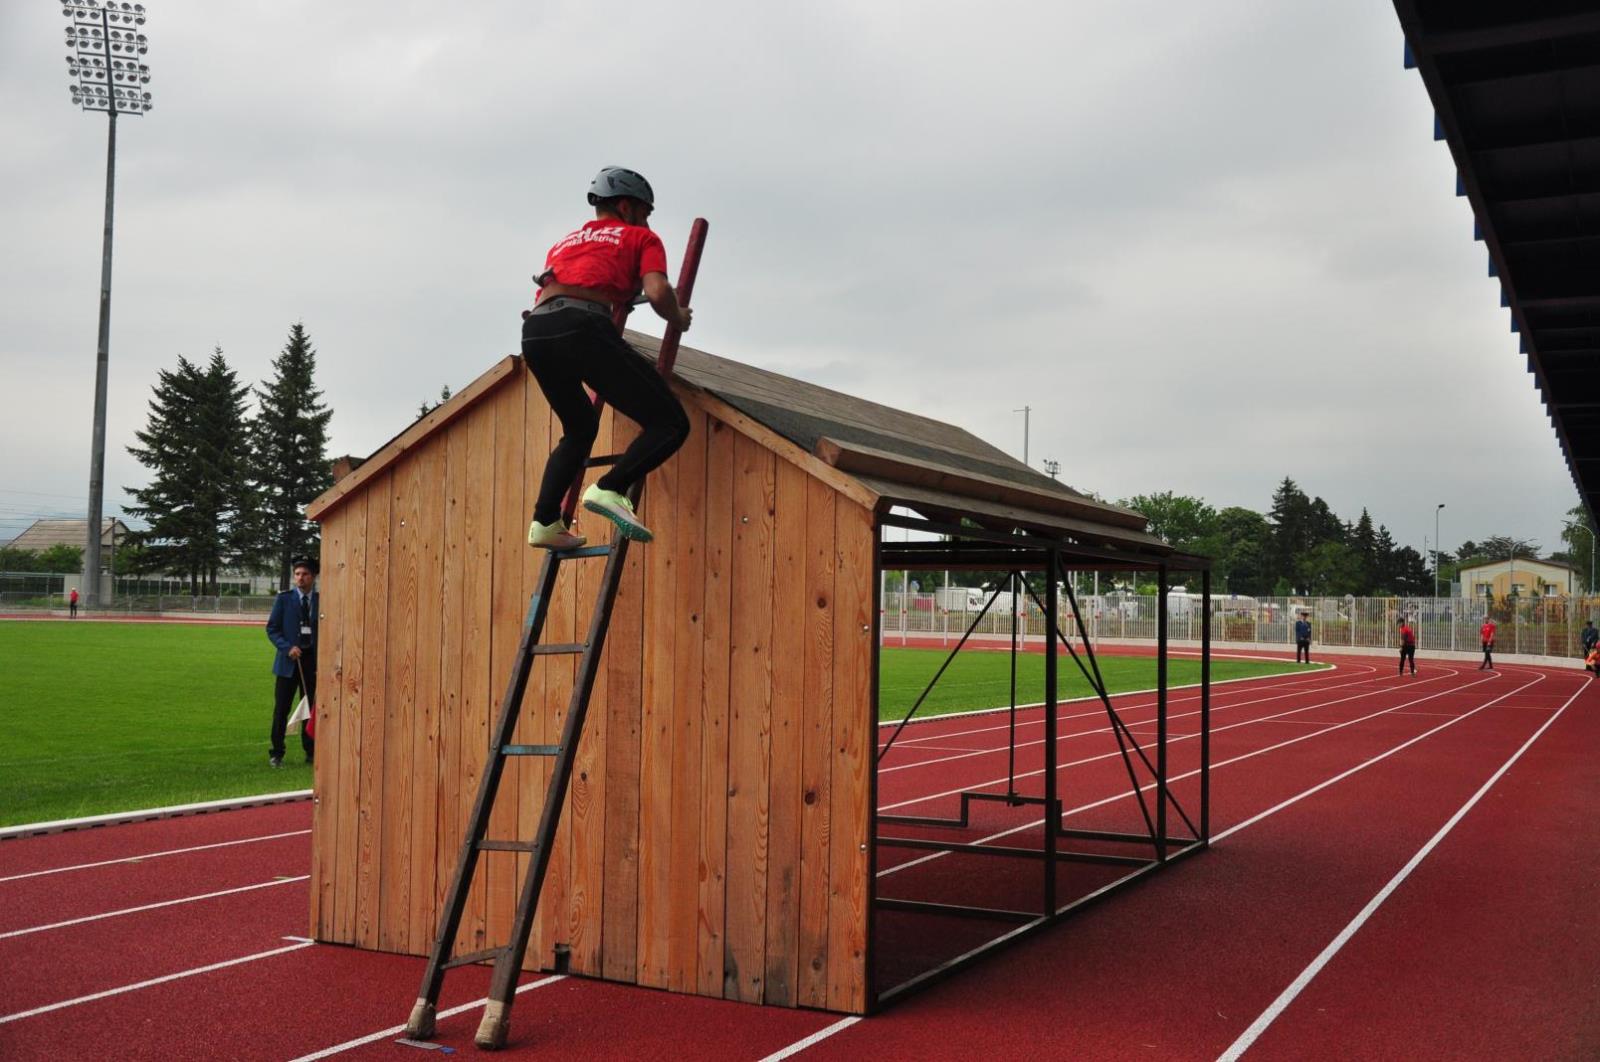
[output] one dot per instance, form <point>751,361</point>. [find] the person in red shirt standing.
<point>1486,636</point>
<point>569,340</point>
<point>1408,647</point>
<point>72,604</point>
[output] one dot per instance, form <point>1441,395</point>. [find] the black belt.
<point>567,302</point>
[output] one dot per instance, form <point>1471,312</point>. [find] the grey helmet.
<point>613,182</point>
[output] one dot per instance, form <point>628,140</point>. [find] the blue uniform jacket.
<point>1302,631</point>
<point>283,629</point>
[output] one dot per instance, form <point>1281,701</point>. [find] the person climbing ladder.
<point>569,339</point>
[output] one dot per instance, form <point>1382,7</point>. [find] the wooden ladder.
<point>508,958</point>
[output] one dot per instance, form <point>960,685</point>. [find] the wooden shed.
<point>717,837</point>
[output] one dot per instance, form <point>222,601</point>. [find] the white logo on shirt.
<point>611,234</point>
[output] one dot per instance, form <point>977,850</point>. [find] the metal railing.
<point>1543,627</point>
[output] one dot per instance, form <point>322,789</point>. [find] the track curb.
<point>118,818</point>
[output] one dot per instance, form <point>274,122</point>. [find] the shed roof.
<point>889,456</point>
<point>1516,92</point>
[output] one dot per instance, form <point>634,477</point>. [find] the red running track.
<point>1401,868</point>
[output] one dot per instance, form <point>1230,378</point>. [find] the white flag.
<point>302,712</point>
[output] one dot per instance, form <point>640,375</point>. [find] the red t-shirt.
<point>1407,636</point>
<point>608,255</point>
<point>1486,632</point>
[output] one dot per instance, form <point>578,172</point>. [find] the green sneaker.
<point>553,535</point>
<point>617,509</point>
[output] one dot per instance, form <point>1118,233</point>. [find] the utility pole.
<point>1436,511</point>
<point>103,53</point>
<point>1025,411</point>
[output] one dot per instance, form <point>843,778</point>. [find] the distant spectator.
<point>1302,639</point>
<point>1591,647</point>
<point>72,604</point>
<point>1486,636</point>
<point>293,629</point>
<point>1408,647</point>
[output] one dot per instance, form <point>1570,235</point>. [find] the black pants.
<point>283,703</point>
<point>1302,647</point>
<point>1408,652</point>
<point>1488,657</point>
<point>72,612</point>
<point>566,349</point>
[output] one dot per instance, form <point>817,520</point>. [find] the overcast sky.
<point>1210,245</point>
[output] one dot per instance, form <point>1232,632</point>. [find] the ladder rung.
<point>530,750</point>
<point>562,647</point>
<point>507,846</point>
<point>583,551</point>
<point>472,957</point>
<point>602,460</point>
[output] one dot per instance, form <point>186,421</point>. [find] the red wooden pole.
<point>669,342</point>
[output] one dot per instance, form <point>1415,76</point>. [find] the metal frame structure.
<point>968,548</point>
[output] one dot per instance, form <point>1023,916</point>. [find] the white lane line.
<point>1265,682</point>
<point>815,1038</point>
<point>153,906</point>
<point>396,1030</point>
<point>1287,996</point>
<point>993,750</point>
<point>154,855</point>
<point>1190,774</point>
<point>116,818</point>
<point>1214,730</point>
<point>146,984</point>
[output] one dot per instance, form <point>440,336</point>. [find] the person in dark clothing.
<point>1408,647</point>
<point>292,628</point>
<point>569,340</point>
<point>1302,638</point>
<point>1590,637</point>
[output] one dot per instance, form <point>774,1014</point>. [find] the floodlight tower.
<point>104,50</point>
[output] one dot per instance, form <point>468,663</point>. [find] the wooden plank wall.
<point>715,832</point>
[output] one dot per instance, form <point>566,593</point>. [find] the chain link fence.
<point>42,592</point>
<point>1543,627</point>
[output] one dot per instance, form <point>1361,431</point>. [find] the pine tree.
<point>291,453</point>
<point>1292,529</point>
<point>1364,540</point>
<point>197,448</point>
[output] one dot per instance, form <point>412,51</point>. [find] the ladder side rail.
<point>509,963</point>
<point>478,821</point>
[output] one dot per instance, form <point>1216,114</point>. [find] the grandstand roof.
<point>1516,92</point>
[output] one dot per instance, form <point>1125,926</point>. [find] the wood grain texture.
<point>854,733</point>
<point>477,582</point>
<point>816,739</point>
<point>788,676</point>
<point>620,915</point>
<point>586,801</point>
<point>717,620</point>
<point>686,619</point>
<point>348,673</point>
<point>448,815</point>
<point>427,717</point>
<point>325,784</point>
<point>749,720</point>
<point>399,706</point>
<point>369,839</point>
<point>658,508</point>
<point>508,608</point>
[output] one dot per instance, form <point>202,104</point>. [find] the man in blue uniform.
<point>292,628</point>
<point>1302,639</point>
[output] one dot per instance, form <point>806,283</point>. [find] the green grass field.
<point>102,717</point>
<point>983,679</point>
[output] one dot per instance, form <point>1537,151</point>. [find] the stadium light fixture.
<point>105,60</point>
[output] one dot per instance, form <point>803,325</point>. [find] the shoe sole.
<point>629,527</point>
